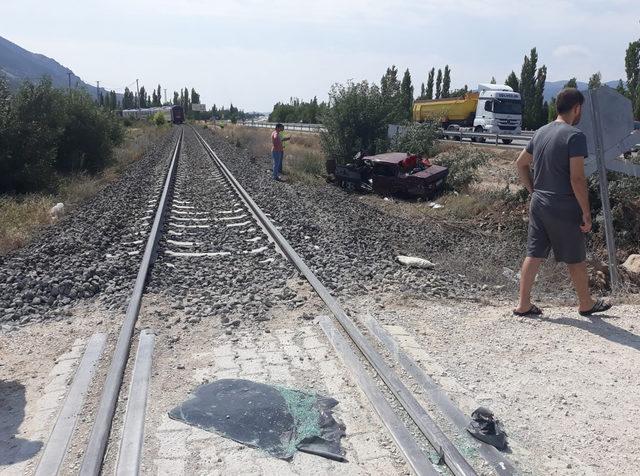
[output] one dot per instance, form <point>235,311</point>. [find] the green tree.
<point>176,98</point>
<point>113,103</point>
<point>355,122</point>
<point>391,95</point>
<point>422,91</point>
<point>632,68</point>
<point>159,95</point>
<point>512,81</point>
<point>621,89</point>
<point>532,81</point>
<point>429,90</point>
<point>297,111</point>
<point>195,97</point>
<point>493,80</point>
<point>446,82</point>
<point>636,109</point>
<point>572,83</point>
<point>142,98</point>
<point>439,84</point>
<point>552,111</point>
<point>406,95</point>
<point>128,99</point>
<point>186,104</point>
<point>595,81</point>
<point>456,93</point>
<point>541,108</point>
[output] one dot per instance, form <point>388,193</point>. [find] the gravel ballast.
<point>92,251</point>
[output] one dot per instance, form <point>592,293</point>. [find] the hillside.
<point>18,64</point>
<point>552,88</point>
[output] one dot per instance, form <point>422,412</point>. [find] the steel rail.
<point>94,453</point>
<point>450,454</point>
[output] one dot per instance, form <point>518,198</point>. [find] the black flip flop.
<point>533,311</point>
<point>599,306</point>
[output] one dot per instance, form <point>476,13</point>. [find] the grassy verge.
<point>303,161</point>
<point>22,215</point>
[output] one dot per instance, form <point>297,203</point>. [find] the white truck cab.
<point>499,110</point>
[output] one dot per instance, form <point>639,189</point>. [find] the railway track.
<point>229,233</point>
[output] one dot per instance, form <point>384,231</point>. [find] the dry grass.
<point>22,215</point>
<point>303,161</point>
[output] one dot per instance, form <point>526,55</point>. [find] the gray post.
<point>604,193</point>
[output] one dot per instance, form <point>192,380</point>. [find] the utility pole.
<point>165,95</point>
<point>138,90</point>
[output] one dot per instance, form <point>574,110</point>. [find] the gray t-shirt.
<point>552,146</point>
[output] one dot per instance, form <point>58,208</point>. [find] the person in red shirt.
<point>277,150</point>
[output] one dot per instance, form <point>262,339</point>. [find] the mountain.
<point>18,65</point>
<point>552,88</point>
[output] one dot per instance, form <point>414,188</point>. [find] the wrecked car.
<point>394,173</point>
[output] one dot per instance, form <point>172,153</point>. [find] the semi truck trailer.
<point>492,109</point>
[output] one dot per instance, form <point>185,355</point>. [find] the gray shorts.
<point>554,224</point>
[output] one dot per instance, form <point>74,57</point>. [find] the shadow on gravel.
<point>12,403</point>
<point>598,325</point>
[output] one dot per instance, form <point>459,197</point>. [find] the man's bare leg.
<point>580,279</point>
<point>528,272</point>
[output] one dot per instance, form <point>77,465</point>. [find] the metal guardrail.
<point>483,137</point>
<point>292,126</point>
<point>524,135</point>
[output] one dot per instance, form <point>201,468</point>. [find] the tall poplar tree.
<point>429,91</point>
<point>406,95</point>
<point>439,84</point>
<point>512,80</point>
<point>446,82</point>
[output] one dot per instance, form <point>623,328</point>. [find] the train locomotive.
<point>174,114</point>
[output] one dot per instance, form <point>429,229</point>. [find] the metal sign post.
<point>604,194</point>
<point>608,126</point>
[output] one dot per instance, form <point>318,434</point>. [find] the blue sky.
<point>255,53</point>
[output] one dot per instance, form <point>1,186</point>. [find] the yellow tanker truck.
<point>494,109</point>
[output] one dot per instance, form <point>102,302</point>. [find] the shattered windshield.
<point>277,419</point>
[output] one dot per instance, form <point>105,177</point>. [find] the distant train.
<point>173,114</point>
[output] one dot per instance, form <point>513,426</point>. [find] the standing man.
<point>277,150</point>
<point>559,213</point>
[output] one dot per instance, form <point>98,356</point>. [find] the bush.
<point>158,119</point>
<point>463,164</point>
<point>127,122</point>
<point>624,193</point>
<point>355,122</point>
<point>30,127</point>
<point>418,138</point>
<point>44,130</point>
<point>88,138</point>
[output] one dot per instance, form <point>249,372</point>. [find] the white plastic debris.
<point>414,262</point>
<point>56,210</point>
<point>435,205</point>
